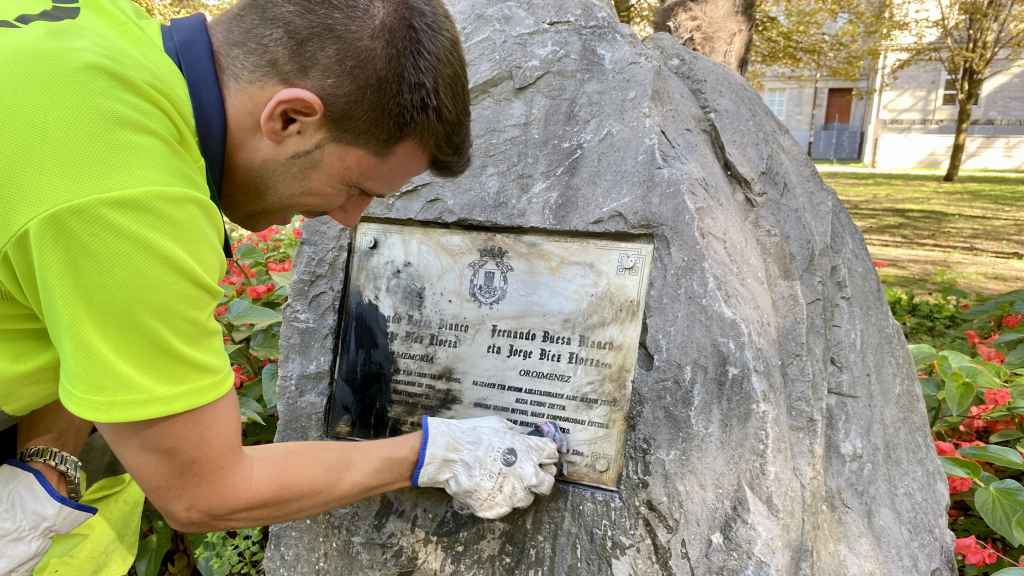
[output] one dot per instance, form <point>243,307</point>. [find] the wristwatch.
<point>69,466</point>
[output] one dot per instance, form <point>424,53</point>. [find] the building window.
<point>949,92</point>
<point>775,98</point>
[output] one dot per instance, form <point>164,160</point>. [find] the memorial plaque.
<point>461,323</point>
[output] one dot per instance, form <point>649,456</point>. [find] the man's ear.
<point>290,112</point>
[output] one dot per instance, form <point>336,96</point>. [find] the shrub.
<point>931,319</point>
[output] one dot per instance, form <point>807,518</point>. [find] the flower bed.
<point>975,401</point>
<point>255,292</point>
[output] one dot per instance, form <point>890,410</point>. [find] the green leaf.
<point>959,393</point>
<point>265,344</point>
<point>1004,435</point>
<point>152,549</point>
<point>1015,359</point>
<point>956,358</point>
<point>999,504</point>
<point>945,368</point>
<point>229,348</point>
<point>282,278</point>
<point>979,376</point>
<point>1007,337</point>
<point>1010,572</point>
<point>923,355</point>
<point>247,253</point>
<point>250,410</point>
<point>269,380</point>
<point>242,311</point>
<point>1001,455</point>
<point>959,467</point>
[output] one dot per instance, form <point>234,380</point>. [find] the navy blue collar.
<point>187,43</point>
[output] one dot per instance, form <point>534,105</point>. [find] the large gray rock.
<point>775,427</point>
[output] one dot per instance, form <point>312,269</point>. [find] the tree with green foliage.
<point>973,40</point>
<point>823,38</point>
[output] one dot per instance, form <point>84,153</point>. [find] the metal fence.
<point>836,143</point>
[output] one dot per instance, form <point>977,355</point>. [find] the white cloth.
<point>32,512</point>
<point>486,464</point>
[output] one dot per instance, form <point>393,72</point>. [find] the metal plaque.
<point>462,323</point>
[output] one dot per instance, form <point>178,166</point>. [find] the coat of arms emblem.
<point>488,285</point>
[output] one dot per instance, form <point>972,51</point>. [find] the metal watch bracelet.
<point>69,466</point>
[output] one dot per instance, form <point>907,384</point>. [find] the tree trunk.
<point>718,29</point>
<point>965,99</point>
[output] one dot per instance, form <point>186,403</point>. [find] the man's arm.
<point>194,469</point>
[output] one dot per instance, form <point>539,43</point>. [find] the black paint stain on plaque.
<point>361,403</point>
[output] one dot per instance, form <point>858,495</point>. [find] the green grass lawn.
<point>968,234</point>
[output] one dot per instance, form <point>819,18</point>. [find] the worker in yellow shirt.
<point>123,142</point>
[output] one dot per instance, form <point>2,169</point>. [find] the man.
<point>120,141</point>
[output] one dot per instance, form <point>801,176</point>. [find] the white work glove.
<point>486,464</point>
<point>32,512</point>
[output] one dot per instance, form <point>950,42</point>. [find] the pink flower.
<point>972,338</point>
<point>945,448</point>
<point>958,485</point>
<point>879,263</point>
<point>220,311</point>
<point>998,396</point>
<point>297,232</point>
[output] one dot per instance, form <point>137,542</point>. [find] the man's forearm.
<point>194,469</point>
<point>291,480</point>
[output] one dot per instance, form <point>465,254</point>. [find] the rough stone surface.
<point>776,426</point>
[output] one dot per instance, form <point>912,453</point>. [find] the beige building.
<point>911,122</point>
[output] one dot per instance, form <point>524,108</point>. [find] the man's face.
<point>329,179</point>
<point>349,178</point>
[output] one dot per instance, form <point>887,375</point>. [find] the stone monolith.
<point>775,424</point>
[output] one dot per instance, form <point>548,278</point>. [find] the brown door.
<point>840,102</point>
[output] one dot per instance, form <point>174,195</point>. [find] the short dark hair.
<point>386,70</point>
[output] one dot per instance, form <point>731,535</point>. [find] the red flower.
<point>266,235</point>
<point>971,443</point>
<point>945,448</point>
<point>974,422</point>
<point>879,263</point>
<point>285,266</point>
<point>297,232</point>
<point>220,311</point>
<point>260,290</point>
<point>959,485</point>
<point>999,425</point>
<point>240,376</point>
<point>974,553</point>
<point>972,338</point>
<point>997,396</point>
<point>1012,320</point>
<point>990,354</point>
